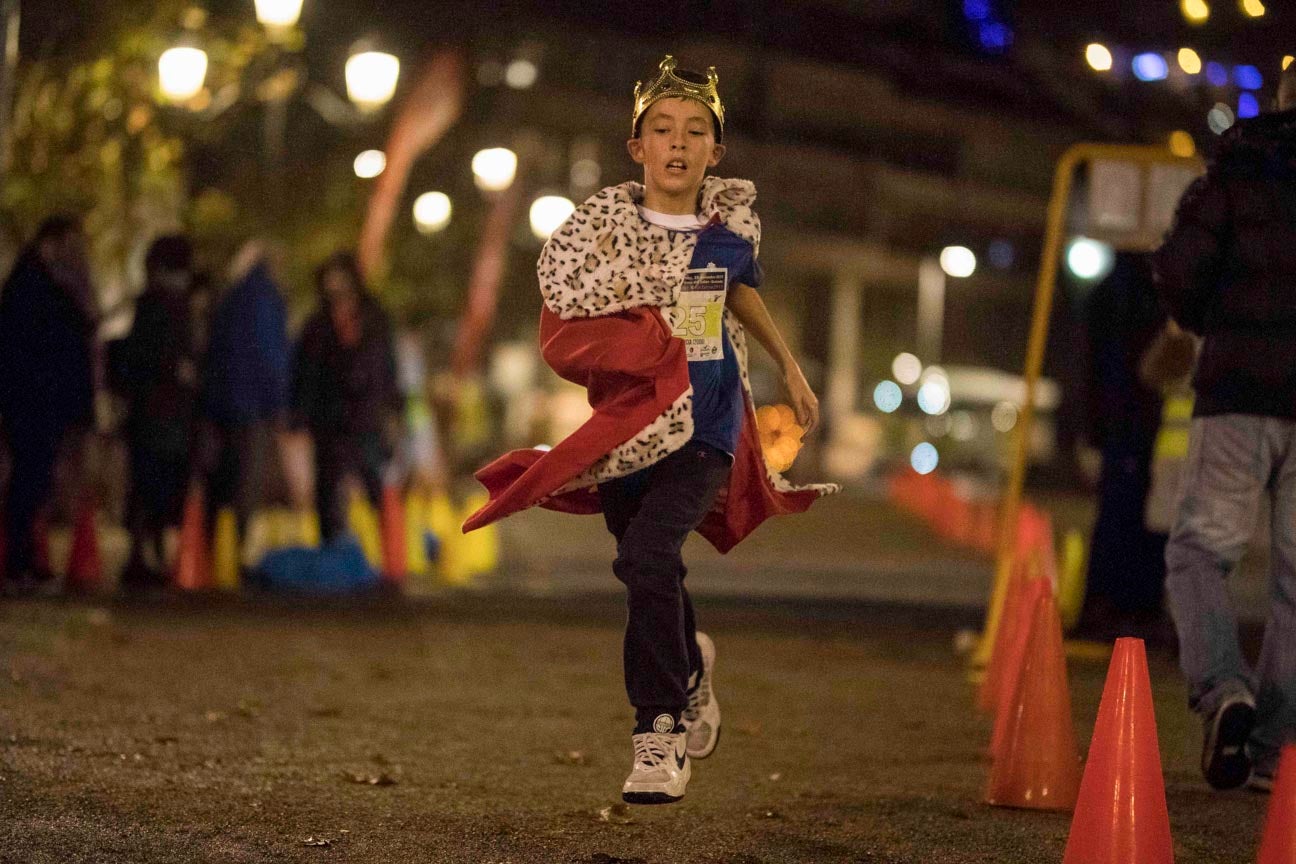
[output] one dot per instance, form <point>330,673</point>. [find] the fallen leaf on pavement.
<point>380,779</point>
<point>617,814</point>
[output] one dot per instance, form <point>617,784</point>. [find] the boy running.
<point>648,290</point>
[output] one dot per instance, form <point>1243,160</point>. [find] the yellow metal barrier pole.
<point>1063,178</point>
<point>1011,500</point>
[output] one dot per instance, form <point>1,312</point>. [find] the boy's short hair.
<point>693,77</point>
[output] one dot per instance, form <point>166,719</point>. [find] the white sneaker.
<point>661,766</point>
<point>702,716</point>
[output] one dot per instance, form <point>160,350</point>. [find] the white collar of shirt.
<point>673,221</point>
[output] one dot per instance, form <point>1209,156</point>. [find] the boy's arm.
<point>746,304</point>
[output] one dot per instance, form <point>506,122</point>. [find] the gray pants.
<point>1234,459</point>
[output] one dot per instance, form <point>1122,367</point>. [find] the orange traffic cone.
<point>395,560</point>
<point>193,563</point>
<point>1278,844</point>
<point>1013,657</point>
<point>1010,639</point>
<point>83,571</point>
<point>1037,764</point>
<point>1121,815</point>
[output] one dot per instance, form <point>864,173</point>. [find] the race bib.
<point>698,316</point>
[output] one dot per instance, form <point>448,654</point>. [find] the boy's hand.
<point>803,399</point>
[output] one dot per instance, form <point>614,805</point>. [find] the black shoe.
<point>1225,762</point>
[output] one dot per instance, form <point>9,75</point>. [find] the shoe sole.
<point>1230,732</point>
<point>650,798</point>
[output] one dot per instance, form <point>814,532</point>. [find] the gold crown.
<point>670,85</point>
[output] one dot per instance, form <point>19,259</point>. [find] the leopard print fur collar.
<point>606,258</point>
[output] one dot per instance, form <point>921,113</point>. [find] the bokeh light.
<point>1195,11</point>
<point>1003,417</point>
<point>1089,259</point>
<point>1189,61</point>
<point>432,212</point>
<point>547,213</point>
<point>1248,106</point>
<point>181,72</point>
<point>370,164</point>
<point>1248,77</point>
<point>1150,66</point>
<point>521,74</point>
<point>1220,118</point>
<point>1182,145</point>
<point>924,458</point>
<point>906,368</point>
<point>887,396</point>
<point>934,392</point>
<point>958,261</point>
<point>1217,74</point>
<point>1098,57</point>
<point>371,78</point>
<point>1253,8</point>
<point>494,169</point>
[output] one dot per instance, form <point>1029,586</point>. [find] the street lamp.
<point>181,72</point>
<point>278,15</point>
<point>371,79</point>
<point>957,261</point>
<point>547,213</point>
<point>370,164</point>
<point>494,169</point>
<point>432,212</point>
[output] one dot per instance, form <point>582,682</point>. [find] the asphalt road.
<point>470,728</point>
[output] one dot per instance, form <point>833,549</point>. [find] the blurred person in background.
<point>1126,560</point>
<point>345,390</point>
<point>157,373</point>
<point>245,384</point>
<point>47,327</point>
<point>1227,272</point>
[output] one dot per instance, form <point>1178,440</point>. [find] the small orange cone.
<point>1037,764</point>
<point>1010,639</point>
<point>84,572</point>
<point>1017,643</point>
<point>1278,844</point>
<point>193,563</point>
<point>1121,815</point>
<point>395,560</point>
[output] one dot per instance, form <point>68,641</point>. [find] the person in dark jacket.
<point>344,389</point>
<point>159,378</point>
<point>245,384</point>
<point>1227,272</point>
<point>1126,561</point>
<point>46,377</point>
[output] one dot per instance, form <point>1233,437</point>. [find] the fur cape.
<point>606,276</point>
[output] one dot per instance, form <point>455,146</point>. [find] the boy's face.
<point>676,145</point>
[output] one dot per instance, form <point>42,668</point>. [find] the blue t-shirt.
<point>717,384</point>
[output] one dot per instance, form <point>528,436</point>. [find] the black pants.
<point>1126,561</point>
<point>33,455</point>
<point>651,513</point>
<point>338,459</point>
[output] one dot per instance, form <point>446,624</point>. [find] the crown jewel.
<point>670,85</point>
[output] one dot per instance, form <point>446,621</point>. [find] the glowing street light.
<point>1182,144</point>
<point>1098,57</point>
<point>1195,11</point>
<point>1090,259</point>
<point>432,212</point>
<point>958,261</point>
<point>371,79</point>
<point>370,164</point>
<point>547,213</point>
<point>906,368</point>
<point>278,14</point>
<point>1253,8</point>
<point>521,74</point>
<point>494,169</point>
<point>181,72</point>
